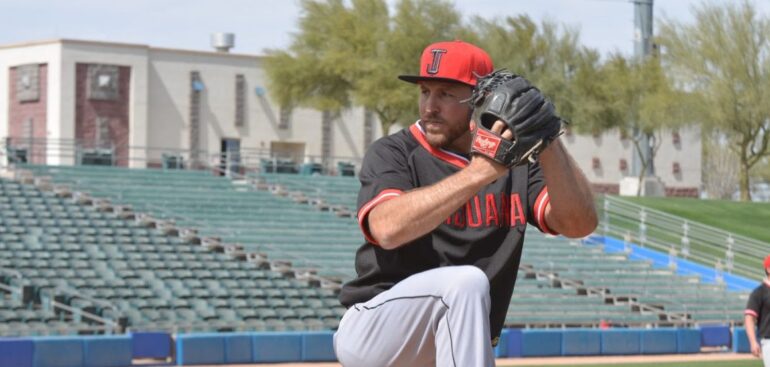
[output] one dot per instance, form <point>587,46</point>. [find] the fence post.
<point>642,227</point>
<point>606,216</point>
<point>729,254</point>
<point>685,240</point>
<point>627,242</point>
<point>672,258</point>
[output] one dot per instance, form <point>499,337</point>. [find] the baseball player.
<point>758,311</point>
<point>443,211</point>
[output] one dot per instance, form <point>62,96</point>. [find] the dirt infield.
<point>565,361</point>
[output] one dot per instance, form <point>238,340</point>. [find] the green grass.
<point>748,219</point>
<point>749,363</point>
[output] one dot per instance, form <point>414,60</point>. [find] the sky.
<point>606,25</point>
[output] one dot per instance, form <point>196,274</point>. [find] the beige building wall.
<point>600,157</point>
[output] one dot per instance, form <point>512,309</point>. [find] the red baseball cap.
<point>767,262</point>
<point>453,61</point>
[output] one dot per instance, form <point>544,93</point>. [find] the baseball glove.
<point>531,118</point>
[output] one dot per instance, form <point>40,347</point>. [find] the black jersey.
<point>487,232</point>
<point>759,307</point>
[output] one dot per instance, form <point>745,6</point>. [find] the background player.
<point>758,312</point>
<point>444,230</point>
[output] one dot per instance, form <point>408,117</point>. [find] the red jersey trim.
<point>751,312</point>
<point>383,196</point>
<point>541,203</point>
<point>436,152</point>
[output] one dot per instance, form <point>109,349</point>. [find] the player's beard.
<point>446,135</point>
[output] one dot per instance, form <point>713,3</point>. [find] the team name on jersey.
<point>489,210</point>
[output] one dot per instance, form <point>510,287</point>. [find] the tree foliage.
<point>350,52</point>
<point>546,54</point>
<point>723,60</point>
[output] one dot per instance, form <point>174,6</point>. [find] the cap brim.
<point>419,78</point>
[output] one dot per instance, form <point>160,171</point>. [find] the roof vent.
<point>223,42</point>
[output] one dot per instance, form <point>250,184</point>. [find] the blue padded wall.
<point>58,352</point>
<point>192,349</point>
<point>318,347</point>
<point>238,348</point>
<point>621,341</point>
<point>740,341</point>
<point>541,343</point>
<point>501,350</point>
<point>16,352</point>
<point>581,342</point>
<point>151,344</point>
<point>277,347</point>
<point>514,342</point>
<point>107,351</point>
<point>659,341</point>
<point>688,341</point>
<point>715,335</point>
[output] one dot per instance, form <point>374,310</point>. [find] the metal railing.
<point>73,151</point>
<point>724,251</point>
<point>103,325</point>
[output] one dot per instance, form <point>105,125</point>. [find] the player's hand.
<point>756,350</point>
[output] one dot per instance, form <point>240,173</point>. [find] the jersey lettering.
<point>433,67</point>
<point>517,211</point>
<point>474,215</point>
<point>491,210</point>
<point>471,222</point>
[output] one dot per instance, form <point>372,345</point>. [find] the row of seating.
<point>273,218</point>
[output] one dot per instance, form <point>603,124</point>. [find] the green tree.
<point>633,97</point>
<point>349,53</point>
<point>546,54</point>
<point>722,59</point>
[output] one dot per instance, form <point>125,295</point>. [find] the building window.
<point>240,100</point>
<point>596,163</point>
<point>102,82</point>
<point>196,88</point>
<point>28,83</point>
<point>368,128</point>
<point>623,165</point>
<point>284,118</point>
<point>102,138</point>
<point>327,139</point>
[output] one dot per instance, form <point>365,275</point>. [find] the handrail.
<point>230,232</point>
<point>701,243</point>
<point>72,310</point>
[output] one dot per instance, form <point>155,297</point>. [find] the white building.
<point>65,101</point>
<point>76,97</point>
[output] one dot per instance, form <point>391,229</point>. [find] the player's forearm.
<point>399,221</point>
<point>750,325</point>
<point>572,212</point>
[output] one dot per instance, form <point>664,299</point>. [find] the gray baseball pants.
<point>439,317</point>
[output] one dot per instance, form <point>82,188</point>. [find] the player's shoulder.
<point>760,290</point>
<point>399,142</point>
